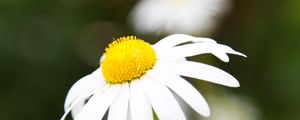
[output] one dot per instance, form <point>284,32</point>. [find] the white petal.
<point>231,51</point>
<point>162,100</point>
<point>201,71</point>
<point>81,98</point>
<point>119,108</point>
<point>129,114</point>
<point>77,108</point>
<point>175,39</point>
<point>184,89</point>
<point>98,104</point>
<point>92,80</point>
<point>197,48</point>
<point>140,106</point>
<point>172,60</point>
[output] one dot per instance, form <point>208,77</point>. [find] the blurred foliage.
<point>46,45</point>
<point>268,32</point>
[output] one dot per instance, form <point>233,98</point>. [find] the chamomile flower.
<point>136,78</point>
<point>177,16</point>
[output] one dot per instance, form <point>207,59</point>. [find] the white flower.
<point>177,16</point>
<point>135,77</point>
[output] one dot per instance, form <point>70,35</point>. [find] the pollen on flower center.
<point>126,59</point>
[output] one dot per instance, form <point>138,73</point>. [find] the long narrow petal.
<point>86,94</point>
<point>96,107</point>
<point>198,48</point>
<point>162,100</point>
<point>77,108</point>
<point>176,39</point>
<point>172,60</point>
<point>140,107</point>
<point>119,108</point>
<point>201,71</point>
<point>184,89</point>
<point>92,80</point>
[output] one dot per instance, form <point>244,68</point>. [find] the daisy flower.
<point>136,78</point>
<point>177,16</point>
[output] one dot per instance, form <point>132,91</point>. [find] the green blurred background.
<point>47,45</point>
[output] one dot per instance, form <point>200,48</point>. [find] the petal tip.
<point>240,54</point>
<point>224,59</point>
<point>243,55</point>
<point>206,113</point>
<point>237,84</point>
<point>233,83</point>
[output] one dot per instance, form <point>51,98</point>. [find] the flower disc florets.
<point>126,59</point>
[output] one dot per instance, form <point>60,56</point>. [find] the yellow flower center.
<point>126,59</point>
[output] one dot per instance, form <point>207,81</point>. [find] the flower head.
<point>126,59</point>
<point>135,77</point>
<point>177,16</point>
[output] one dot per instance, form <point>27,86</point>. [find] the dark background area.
<point>47,45</point>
